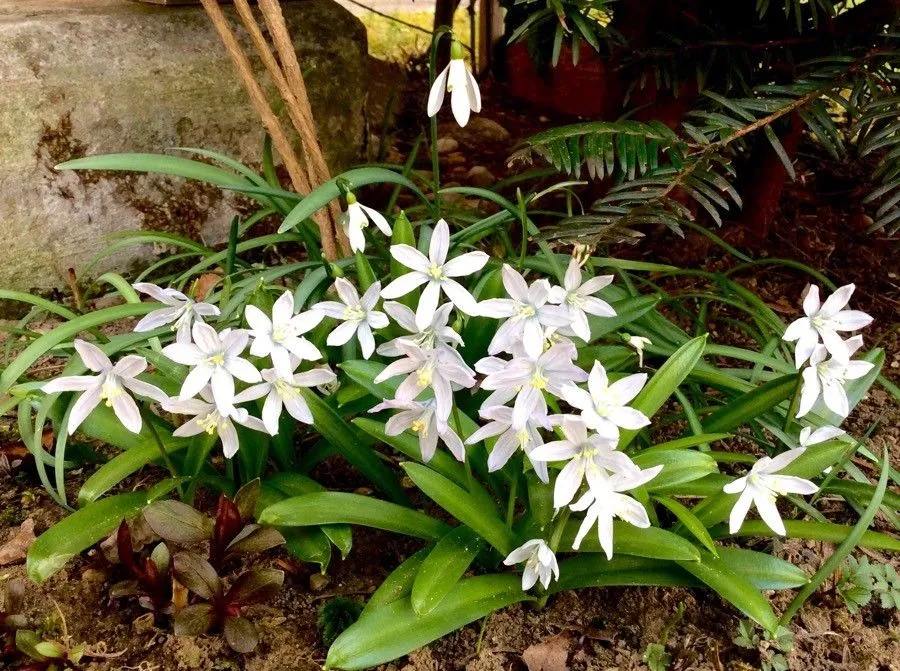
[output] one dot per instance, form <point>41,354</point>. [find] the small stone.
<point>319,581</point>
<point>93,575</point>
<point>454,158</point>
<point>543,119</point>
<point>487,129</point>
<point>480,176</point>
<point>445,145</point>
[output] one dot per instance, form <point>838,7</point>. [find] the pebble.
<point>445,145</point>
<point>480,176</point>
<point>318,582</point>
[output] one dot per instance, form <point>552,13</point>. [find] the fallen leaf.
<point>15,549</point>
<point>204,283</point>
<point>549,655</point>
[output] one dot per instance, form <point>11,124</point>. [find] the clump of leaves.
<point>336,615</point>
<point>860,580</point>
<point>772,648</point>
<point>183,575</point>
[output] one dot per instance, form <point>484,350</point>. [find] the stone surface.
<point>84,77</point>
<point>479,130</point>
<point>445,145</point>
<point>480,176</point>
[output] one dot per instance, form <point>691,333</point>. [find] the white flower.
<point>808,437</point>
<point>824,320</point>
<point>604,406</point>
<point>827,378</point>
<point>460,84</point>
<point>284,392</point>
<point>435,369</point>
<point>211,419</point>
<point>358,314</point>
<point>527,312</point>
<point>638,343</point>
<point>762,485</point>
<point>526,379</point>
<point>436,273</point>
<point>419,416</point>
<point>281,336</point>
<point>578,301</point>
<point>215,359</point>
<point>540,563</point>
<point>182,310</point>
<point>111,384</point>
<point>356,218</point>
<point>435,335</point>
<point>511,439</point>
<point>605,501</point>
<point>590,457</point>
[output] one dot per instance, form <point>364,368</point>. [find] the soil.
<point>595,629</point>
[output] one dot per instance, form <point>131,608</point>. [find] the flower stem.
<point>795,402</point>
<point>164,453</point>
<point>511,502</point>
<point>558,528</point>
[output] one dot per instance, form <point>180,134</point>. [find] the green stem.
<point>164,453</point>
<point>511,502</point>
<point>795,402</point>
<point>555,537</point>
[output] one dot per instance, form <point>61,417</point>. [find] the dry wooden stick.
<point>284,46</point>
<point>299,178</point>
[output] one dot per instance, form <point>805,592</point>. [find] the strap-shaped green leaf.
<point>751,405</point>
<point>735,588</point>
<point>586,571</point>
<point>679,466</point>
<point>398,585</point>
<point>364,372</point>
<point>689,521</point>
<point>463,505</point>
<point>386,633</point>
<point>341,508</point>
<point>626,312</point>
<point>664,382</point>
<point>443,567</point>
<point>762,569</point>
<point>816,531</point>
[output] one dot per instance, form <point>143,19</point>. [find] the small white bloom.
<point>527,439</point>
<point>111,384</point>
<point>357,218</point>
<point>526,379</point>
<point>591,457</point>
<point>762,485</point>
<point>456,80</point>
<point>827,378</point>
<point>436,273</point>
<point>420,417</point>
<point>638,343</point>
<point>435,335</point>
<point>578,300</point>
<point>604,406</point>
<point>284,392</point>
<point>359,315</point>
<point>435,369</point>
<point>540,563</point>
<point>808,437</point>
<point>824,320</point>
<point>527,313</point>
<point>210,418</point>
<point>181,312</point>
<point>605,501</point>
<point>281,336</point>
<point>215,360</point>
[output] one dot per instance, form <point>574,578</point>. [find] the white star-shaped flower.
<point>824,320</point>
<point>356,219</point>
<point>280,337</point>
<point>436,273</point>
<point>284,393</point>
<point>527,439</point>
<point>420,418</point>
<point>578,300</point>
<point>111,384</point>
<point>761,486</point>
<point>827,378</point>
<point>604,406</point>
<point>455,79</point>
<point>358,314</point>
<point>210,418</point>
<point>540,563</point>
<point>181,312</point>
<point>436,335</point>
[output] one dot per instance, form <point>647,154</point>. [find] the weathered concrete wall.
<point>83,77</point>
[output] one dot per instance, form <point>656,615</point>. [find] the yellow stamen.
<point>419,426</point>
<point>210,423</point>
<point>216,359</point>
<point>285,390</point>
<point>436,272</point>
<point>354,313</point>
<point>538,381</point>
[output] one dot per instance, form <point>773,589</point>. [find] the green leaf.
<point>689,521</point>
<point>443,567</point>
<point>347,439</point>
<point>398,585</point>
<point>626,312</point>
<point>652,542</point>
<point>341,508</point>
<point>322,195</point>
<point>159,164</point>
<point>389,632</point>
<point>586,570</point>
<point>664,382</point>
<point>751,405</point>
<point>79,531</point>
<point>738,590</point>
<point>463,506</point>
<point>762,569</point>
<point>364,373</point>
<point>817,531</point>
<point>679,466</point>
